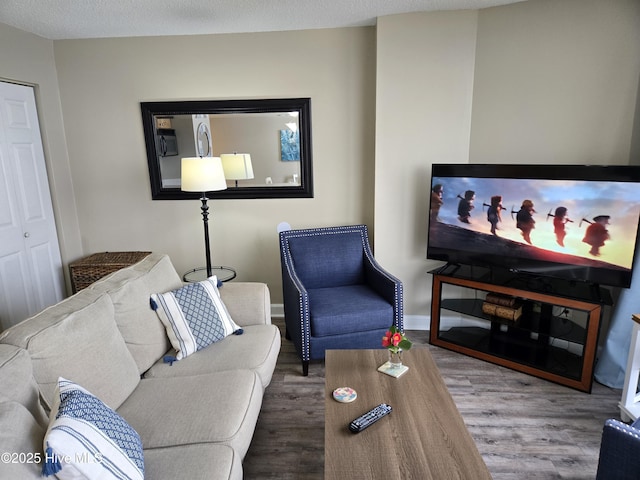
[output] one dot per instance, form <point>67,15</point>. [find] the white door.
<point>30,266</point>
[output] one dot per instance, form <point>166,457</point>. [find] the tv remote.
<point>369,418</point>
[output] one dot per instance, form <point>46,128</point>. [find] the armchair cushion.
<point>348,309</point>
<point>328,260</point>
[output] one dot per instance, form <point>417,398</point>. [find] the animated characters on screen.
<point>524,220</point>
<point>596,234</point>
<point>437,193</point>
<point>494,212</point>
<point>465,205</point>
<point>560,219</point>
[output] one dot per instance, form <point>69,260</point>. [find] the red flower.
<point>395,340</point>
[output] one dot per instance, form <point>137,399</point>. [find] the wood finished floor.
<point>524,427</point>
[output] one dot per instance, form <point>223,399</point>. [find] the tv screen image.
<point>567,221</point>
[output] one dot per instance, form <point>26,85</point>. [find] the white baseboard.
<point>411,322</point>
<point>417,322</point>
<point>277,310</point>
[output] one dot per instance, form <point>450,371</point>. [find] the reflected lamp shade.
<point>202,174</point>
<point>237,166</point>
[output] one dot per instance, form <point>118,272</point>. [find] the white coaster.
<point>345,394</point>
<point>392,370</point>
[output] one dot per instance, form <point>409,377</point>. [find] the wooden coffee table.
<point>423,438</point>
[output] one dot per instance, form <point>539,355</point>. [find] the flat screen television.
<point>574,222</point>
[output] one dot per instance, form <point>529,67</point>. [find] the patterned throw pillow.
<point>194,316</point>
<point>87,439</point>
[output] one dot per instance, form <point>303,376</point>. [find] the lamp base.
<point>205,220</point>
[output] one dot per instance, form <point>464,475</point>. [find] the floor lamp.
<point>203,174</point>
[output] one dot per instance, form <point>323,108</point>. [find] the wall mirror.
<point>276,133</point>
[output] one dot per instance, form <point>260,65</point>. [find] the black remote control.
<point>369,418</point>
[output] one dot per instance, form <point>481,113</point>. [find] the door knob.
<point>27,234</point>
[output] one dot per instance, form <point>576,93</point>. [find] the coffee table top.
<point>424,436</point>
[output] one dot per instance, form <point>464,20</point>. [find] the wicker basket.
<point>89,269</point>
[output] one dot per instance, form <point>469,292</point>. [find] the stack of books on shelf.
<point>502,306</point>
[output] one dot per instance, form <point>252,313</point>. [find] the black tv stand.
<point>555,337</point>
<point>596,293</point>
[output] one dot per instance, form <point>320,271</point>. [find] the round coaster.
<point>345,394</point>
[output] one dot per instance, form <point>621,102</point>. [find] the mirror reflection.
<point>264,145</point>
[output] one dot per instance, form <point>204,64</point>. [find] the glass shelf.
<point>559,327</point>
<point>224,274</point>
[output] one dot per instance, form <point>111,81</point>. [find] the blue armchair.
<point>619,451</point>
<point>336,296</point>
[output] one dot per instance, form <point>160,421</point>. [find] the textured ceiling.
<point>68,19</point>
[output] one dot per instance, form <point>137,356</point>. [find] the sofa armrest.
<point>249,303</point>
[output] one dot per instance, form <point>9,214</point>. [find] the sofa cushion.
<point>129,289</point>
<point>249,303</point>
<point>20,333</point>
<point>21,437</point>
<point>194,316</point>
<point>89,440</point>
<point>206,461</point>
<point>256,349</point>
<point>18,384</point>
<point>219,407</point>
<point>84,346</point>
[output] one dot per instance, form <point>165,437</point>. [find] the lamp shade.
<point>202,174</point>
<point>237,166</point>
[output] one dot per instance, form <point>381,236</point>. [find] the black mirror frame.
<point>300,105</point>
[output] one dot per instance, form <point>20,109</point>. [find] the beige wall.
<point>103,81</point>
<point>423,109</point>
<point>538,81</point>
<point>556,82</point>
<point>445,87</point>
<point>29,60</point>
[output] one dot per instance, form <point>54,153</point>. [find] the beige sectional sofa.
<point>195,417</point>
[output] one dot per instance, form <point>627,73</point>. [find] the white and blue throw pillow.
<point>87,439</point>
<point>194,316</point>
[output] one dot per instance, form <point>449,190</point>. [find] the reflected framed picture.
<point>289,146</point>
